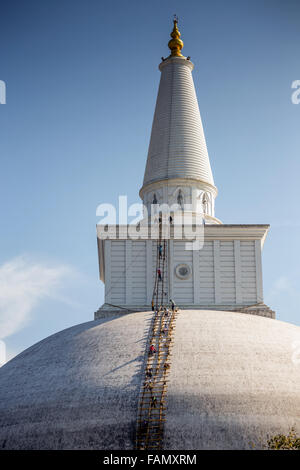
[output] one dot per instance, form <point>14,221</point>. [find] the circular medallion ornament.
<point>183,271</point>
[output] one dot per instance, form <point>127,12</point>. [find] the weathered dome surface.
<point>232,382</point>
<point>77,389</point>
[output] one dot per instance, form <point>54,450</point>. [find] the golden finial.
<point>175,44</point>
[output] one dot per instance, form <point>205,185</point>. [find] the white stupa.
<point>232,381</point>
<point>226,273</point>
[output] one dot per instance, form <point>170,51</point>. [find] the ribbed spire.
<point>177,146</point>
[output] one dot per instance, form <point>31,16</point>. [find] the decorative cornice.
<point>177,60</point>
<point>211,232</point>
<point>178,182</point>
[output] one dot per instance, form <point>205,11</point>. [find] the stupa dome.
<point>232,383</point>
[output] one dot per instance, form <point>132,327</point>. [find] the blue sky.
<point>82,78</point>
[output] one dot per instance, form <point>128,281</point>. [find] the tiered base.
<point>257,309</point>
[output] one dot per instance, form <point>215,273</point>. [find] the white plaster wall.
<point>115,289</point>
<point>183,291</point>
<point>167,193</point>
<point>227,272</point>
<point>138,272</point>
<point>248,272</point>
<point>231,277</point>
<point>206,274</point>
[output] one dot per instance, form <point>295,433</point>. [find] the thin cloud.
<point>284,294</point>
<point>282,285</point>
<point>23,284</point>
